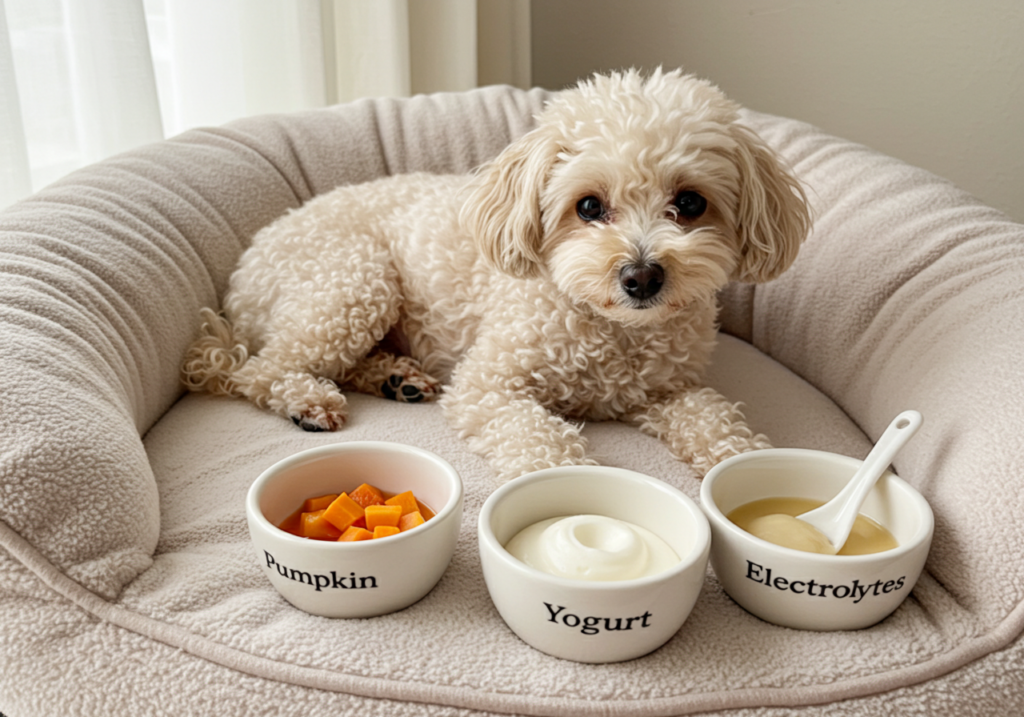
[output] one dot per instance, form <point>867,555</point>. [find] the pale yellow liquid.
<point>866,537</point>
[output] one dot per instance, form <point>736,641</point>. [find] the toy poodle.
<point>572,278</point>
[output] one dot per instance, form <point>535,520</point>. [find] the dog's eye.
<point>590,209</point>
<point>690,205</point>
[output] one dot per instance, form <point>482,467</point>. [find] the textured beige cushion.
<point>127,582</point>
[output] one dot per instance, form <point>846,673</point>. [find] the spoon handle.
<point>837,520</point>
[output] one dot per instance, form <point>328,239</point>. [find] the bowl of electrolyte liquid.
<point>750,501</point>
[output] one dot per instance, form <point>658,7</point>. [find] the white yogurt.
<point>592,547</point>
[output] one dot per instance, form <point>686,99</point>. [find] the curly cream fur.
<point>499,290</point>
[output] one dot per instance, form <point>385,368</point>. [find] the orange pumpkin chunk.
<point>319,503</point>
<point>425,511</point>
<point>353,534</point>
<point>410,521</point>
<point>406,501</point>
<point>313,525</point>
<point>383,531</point>
<point>383,515</point>
<point>292,523</point>
<point>343,512</point>
<point>335,516</point>
<point>366,495</point>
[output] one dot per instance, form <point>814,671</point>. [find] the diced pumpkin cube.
<point>366,495</point>
<point>406,501</point>
<point>383,531</point>
<point>313,525</point>
<point>383,515</point>
<point>410,521</point>
<point>319,503</point>
<point>291,523</point>
<point>353,534</point>
<point>343,512</point>
<point>425,511</point>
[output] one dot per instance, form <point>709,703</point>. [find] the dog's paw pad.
<point>412,393</point>
<point>409,388</point>
<point>320,421</point>
<point>307,425</point>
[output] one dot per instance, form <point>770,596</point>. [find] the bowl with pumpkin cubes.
<point>355,529</point>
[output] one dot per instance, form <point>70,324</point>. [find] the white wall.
<point>937,83</point>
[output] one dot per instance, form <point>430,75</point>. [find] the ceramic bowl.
<point>355,579</point>
<point>586,621</point>
<point>807,590</point>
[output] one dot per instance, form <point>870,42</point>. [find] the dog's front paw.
<point>410,387</point>
<point>317,419</point>
<point>399,378</point>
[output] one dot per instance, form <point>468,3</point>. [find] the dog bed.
<point>127,581</point>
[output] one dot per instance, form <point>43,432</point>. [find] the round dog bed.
<point>127,580</point>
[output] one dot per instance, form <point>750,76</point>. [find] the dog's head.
<point>639,196</point>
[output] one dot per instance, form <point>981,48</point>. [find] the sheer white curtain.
<point>77,85</point>
<point>83,79</point>
<point>217,60</point>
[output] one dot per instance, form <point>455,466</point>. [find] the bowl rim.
<point>487,540</point>
<point>254,513</point>
<point>922,537</point>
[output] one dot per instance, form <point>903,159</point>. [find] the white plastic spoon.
<point>835,518</point>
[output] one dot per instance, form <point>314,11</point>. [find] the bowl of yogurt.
<point>786,576</point>
<point>593,564</point>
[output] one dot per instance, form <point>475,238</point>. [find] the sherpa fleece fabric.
<point>127,581</point>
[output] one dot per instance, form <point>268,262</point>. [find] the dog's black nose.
<point>642,281</point>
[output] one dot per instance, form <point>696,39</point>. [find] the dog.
<point>572,278</point>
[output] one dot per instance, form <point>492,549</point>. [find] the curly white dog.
<point>572,278</point>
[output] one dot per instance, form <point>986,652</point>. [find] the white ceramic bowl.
<point>359,579</point>
<point>593,621</point>
<point>807,590</point>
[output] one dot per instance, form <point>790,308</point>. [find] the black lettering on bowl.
<point>319,581</point>
<point>593,624</point>
<point>855,590</point>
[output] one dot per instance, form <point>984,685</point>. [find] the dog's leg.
<point>400,378</point>
<point>700,427</point>
<point>318,332</point>
<point>509,428</point>
<point>313,403</point>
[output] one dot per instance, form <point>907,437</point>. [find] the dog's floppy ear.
<point>773,218</point>
<point>502,210</point>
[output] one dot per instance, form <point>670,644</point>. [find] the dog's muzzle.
<point>641,281</point>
